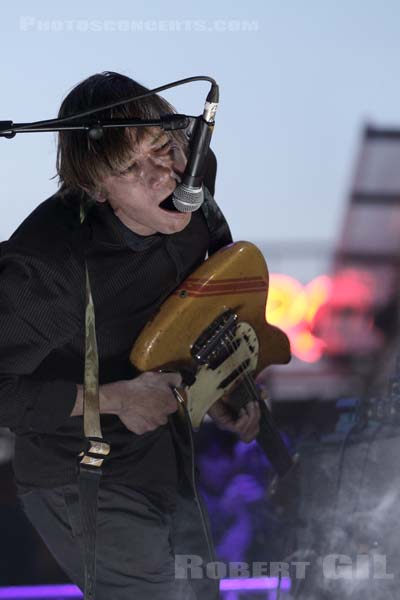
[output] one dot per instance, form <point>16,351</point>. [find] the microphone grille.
<point>187,199</point>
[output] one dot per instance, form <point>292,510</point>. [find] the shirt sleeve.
<point>39,312</point>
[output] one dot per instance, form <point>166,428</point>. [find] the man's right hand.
<point>142,404</point>
<point>146,401</point>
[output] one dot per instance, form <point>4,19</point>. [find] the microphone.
<point>189,195</point>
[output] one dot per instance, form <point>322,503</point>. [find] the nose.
<point>155,175</point>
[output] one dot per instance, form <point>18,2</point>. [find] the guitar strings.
<point>252,389</point>
<point>229,338</point>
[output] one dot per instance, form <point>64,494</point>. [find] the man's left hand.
<point>246,425</point>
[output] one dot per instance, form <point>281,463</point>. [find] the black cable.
<point>92,111</point>
<point>340,469</point>
<point>278,587</point>
<point>361,482</point>
<point>359,424</point>
<point>360,485</point>
<point>207,536</point>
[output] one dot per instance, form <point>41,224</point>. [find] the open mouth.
<point>168,205</point>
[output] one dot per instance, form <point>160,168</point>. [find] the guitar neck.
<point>270,440</point>
<point>269,437</point>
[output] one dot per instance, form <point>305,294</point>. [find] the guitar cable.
<point>251,387</point>
<point>206,531</point>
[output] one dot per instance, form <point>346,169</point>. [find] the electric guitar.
<point>213,330</point>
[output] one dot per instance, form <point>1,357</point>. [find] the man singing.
<point>137,252</point>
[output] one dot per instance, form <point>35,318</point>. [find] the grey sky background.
<point>296,91</point>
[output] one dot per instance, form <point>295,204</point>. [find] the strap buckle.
<point>95,453</point>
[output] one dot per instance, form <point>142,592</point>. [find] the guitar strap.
<point>95,450</point>
<point>218,227</point>
<point>95,447</point>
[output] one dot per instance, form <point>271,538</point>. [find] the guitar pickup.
<point>212,338</point>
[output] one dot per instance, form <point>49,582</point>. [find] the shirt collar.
<point>108,229</point>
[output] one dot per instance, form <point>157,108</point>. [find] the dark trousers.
<point>136,542</point>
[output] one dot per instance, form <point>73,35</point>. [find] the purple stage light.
<point>39,592</point>
<point>258,583</point>
<point>63,592</point>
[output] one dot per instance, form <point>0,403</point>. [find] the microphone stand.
<point>95,128</point>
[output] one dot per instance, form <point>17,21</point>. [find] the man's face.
<point>135,194</point>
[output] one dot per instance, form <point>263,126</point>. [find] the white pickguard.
<point>205,391</point>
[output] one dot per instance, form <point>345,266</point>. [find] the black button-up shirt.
<point>42,307</point>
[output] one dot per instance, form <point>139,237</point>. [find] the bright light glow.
<point>292,307</point>
<point>286,301</point>
<point>328,313</point>
<point>306,346</point>
<point>318,292</point>
<point>352,287</point>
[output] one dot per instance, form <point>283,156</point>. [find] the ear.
<point>99,197</point>
<point>98,194</point>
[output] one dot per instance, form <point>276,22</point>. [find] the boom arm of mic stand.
<point>171,122</point>
<point>6,129</point>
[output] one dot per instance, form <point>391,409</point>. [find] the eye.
<point>128,169</point>
<point>167,144</point>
